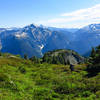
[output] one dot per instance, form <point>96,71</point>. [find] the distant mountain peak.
<point>31,26</point>
<point>92,27</point>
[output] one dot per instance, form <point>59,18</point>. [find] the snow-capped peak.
<point>92,27</point>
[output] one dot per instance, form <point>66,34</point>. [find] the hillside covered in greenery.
<point>22,79</point>
<point>62,56</point>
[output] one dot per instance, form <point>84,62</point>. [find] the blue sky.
<point>57,13</point>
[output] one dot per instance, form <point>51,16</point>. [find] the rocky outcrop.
<point>63,57</point>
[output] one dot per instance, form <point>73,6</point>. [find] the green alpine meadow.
<point>34,79</point>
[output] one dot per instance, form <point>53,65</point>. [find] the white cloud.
<point>77,18</point>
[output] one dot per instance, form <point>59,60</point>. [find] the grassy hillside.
<point>24,80</point>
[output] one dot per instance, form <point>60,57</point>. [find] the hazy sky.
<point>58,13</point>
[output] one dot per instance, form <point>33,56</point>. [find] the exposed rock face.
<point>63,57</point>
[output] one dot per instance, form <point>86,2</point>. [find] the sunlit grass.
<point>23,80</point>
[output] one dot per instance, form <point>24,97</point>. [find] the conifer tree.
<point>25,56</point>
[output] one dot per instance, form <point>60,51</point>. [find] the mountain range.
<point>36,40</point>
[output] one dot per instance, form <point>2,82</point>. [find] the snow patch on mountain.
<point>41,47</point>
<point>92,27</point>
<point>23,35</point>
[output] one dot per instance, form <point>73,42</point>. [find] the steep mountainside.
<point>68,31</point>
<point>56,41</point>
<point>31,40</point>
<point>86,38</point>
